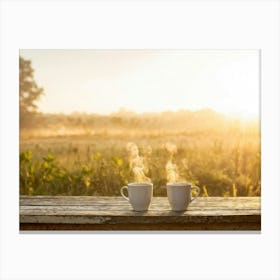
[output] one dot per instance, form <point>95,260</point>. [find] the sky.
<point>103,81</point>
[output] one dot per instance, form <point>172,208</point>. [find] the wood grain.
<point>115,213</point>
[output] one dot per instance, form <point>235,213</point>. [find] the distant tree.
<point>29,91</point>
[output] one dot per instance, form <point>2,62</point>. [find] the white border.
<point>140,24</point>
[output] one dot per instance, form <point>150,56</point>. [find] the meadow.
<point>84,154</point>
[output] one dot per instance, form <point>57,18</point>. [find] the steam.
<point>172,173</point>
<point>137,163</point>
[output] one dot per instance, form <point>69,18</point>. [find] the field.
<point>97,155</point>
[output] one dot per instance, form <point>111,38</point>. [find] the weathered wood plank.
<point>110,198</point>
<point>86,200</point>
<point>128,207</point>
<point>130,213</point>
<point>99,220</point>
<point>104,213</point>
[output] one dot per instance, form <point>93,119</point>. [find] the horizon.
<point>147,81</point>
<point>125,111</point>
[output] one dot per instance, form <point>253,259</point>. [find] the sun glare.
<point>147,81</point>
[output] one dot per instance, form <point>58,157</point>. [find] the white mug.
<point>180,195</point>
<point>139,195</point>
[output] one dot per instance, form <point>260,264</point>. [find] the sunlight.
<point>148,80</point>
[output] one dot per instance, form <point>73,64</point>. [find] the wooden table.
<point>115,213</point>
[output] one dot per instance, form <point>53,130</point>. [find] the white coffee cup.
<point>139,195</point>
<point>180,195</point>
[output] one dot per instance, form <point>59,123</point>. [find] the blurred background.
<point>91,119</point>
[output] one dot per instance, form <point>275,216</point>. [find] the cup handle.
<point>123,195</point>
<point>198,189</point>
